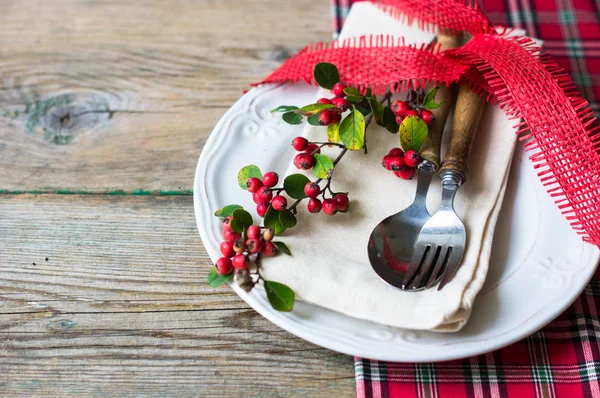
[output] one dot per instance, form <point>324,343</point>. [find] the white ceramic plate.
<point>538,266</point>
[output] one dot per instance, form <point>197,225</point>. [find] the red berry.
<point>337,116</point>
<point>325,118</point>
<point>329,207</point>
<point>387,161</point>
<point>406,174</point>
<point>270,179</point>
<point>412,158</point>
<point>340,103</point>
<point>396,152</point>
<point>427,117</point>
<point>397,163</point>
<point>253,184</point>
<point>314,205</point>
<point>399,119</point>
<point>226,226</point>
<point>240,261</point>
<point>279,203</point>
<point>263,195</point>
<point>224,266</point>
<point>312,189</point>
<point>253,232</point>
<point>313,148</point>
<point>269,249</point>
<point>338,90</point>
<point>400,108</point>
<point>326,101</point>
<point>342,202</point>
<point>227,248</point>
<point>300,143</point>
<point>231,235</point>
<point>254,246</point>
<point>304,161</point>
<point>261,209</point>
<point>412,112</point>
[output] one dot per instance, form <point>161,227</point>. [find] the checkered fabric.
<point>563,359</point>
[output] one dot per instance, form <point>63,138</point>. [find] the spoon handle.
<point>431,146</point>
<point>469,107</point>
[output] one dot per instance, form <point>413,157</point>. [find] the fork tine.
<point>453,263</point>
<point>439,266</point>
<point>419,253</point>
<point>426,268</point>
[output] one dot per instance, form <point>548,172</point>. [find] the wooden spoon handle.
<point>467,113</point>
<point>431,146</point>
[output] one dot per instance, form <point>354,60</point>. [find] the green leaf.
<point>280,296</point>
<point>413,132</point>
<point>285,108</point>
<point>292,118</point>
<point>353,98</point>
<point>326,75</point>
<point>246,173</point>
<point>282,247</point>
<point>352,91</point>
<point>333,133</point>
<point>272,220</point>
<point>227,210</point>
<point>287,218</point>
<point>377,110</point>
<point>243,217</point>
<point>294,185</point>
<point>352,130</point>
<point>429,100</point>
<point>363,109</point>
<point>389,120</point>
<point>313,109</point>
<point>322,165</point>
<point>215,280</point>
<point>236,225</point>
<point>313,120</point>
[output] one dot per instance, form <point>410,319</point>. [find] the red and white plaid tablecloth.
<point>563,359</point>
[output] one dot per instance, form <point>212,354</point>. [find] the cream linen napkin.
<point>330,266</point>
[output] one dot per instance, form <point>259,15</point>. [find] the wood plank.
<point>105,96</point>
<point>121,308</point>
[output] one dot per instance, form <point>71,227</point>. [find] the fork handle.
<point>467,113</point>
<point>445,94</point>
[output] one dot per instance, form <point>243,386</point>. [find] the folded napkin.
<point>330,266</point>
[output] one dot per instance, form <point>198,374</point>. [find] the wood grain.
<point>467,114</point>
<point>120,96</point>
<point>120,308</point>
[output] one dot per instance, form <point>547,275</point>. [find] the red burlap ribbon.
<point>556,125</point>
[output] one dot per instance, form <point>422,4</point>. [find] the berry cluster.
<point>330,116</point>
<point>404,109</point>
<point>237,252</point>
<point>262,193</point>
<point>402,164</point>
<point>305,160</point>
<point>338,202</point>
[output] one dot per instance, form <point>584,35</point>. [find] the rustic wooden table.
<point>104,109</point>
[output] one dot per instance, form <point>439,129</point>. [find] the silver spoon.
<point>391,243</point>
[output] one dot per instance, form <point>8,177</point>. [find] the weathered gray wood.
<point>121,308</point>
<point>102,96</point>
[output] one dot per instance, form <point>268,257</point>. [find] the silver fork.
<point>440,246</point>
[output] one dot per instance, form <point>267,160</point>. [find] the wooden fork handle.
<point>467,113</point>
<point>431,146</point>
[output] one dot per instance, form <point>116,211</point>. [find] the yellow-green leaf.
<point>413,132</point>
<point>246,173</point>
<point>333,133</point>
<point>313,109</point>
<point>322,165</point>
<point>352,130</point>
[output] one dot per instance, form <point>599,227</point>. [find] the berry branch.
<point>347,116</point>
